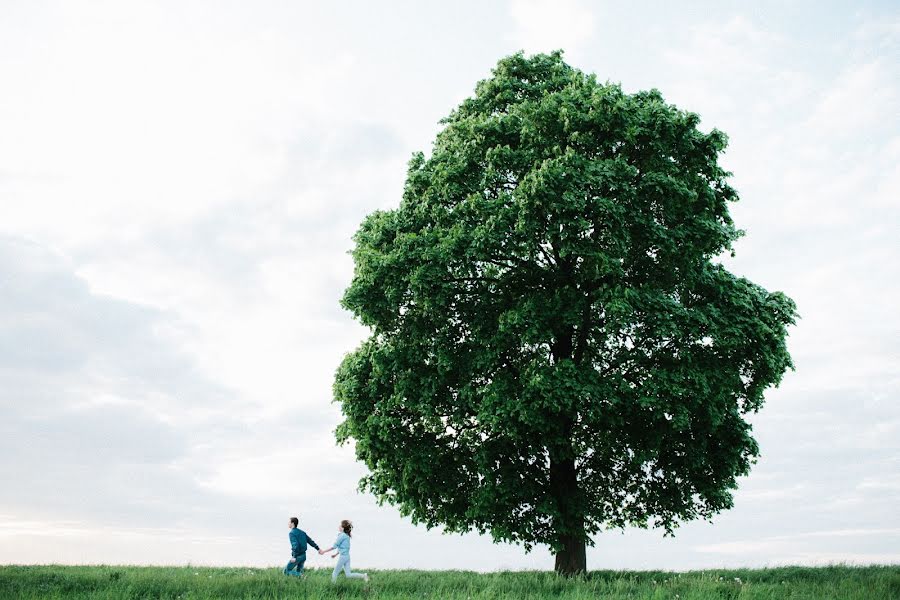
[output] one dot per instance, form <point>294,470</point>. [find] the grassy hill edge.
<point>847,582</point>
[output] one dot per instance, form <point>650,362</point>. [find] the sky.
<point>179,183</point>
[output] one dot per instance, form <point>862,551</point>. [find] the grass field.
<point>184,583</point>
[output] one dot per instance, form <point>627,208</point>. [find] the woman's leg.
<point>342,559</point>
<point>350,574</point>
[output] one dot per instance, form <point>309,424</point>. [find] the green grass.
<point>186,583</point>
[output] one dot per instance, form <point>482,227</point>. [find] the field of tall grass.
<point>186,583</point>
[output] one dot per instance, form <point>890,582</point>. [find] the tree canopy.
<point>554,349</point>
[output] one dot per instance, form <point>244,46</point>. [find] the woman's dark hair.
<point>295,521</point>
<point>347,526</point>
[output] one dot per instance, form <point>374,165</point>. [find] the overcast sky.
<point>179,183</point>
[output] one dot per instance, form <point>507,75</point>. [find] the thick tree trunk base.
<point>572,559</point>
<point>569,523</point>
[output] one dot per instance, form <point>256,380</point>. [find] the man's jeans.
<point>295,568</point>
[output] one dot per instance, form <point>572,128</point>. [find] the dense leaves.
<point>546,297</point>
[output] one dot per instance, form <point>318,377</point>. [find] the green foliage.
<point>192,583</point>
<point>554,351</point>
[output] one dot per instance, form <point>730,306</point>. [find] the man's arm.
<point>295,542</point>
<point>310,541</point>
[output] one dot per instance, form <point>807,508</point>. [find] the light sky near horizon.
<point>179,182</point>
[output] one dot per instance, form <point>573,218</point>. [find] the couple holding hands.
<point>299,539</point>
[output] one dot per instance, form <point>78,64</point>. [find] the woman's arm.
<point>337,543</point>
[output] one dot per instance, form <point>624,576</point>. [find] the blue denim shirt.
<point>299,539</point>
<point>342,544</point>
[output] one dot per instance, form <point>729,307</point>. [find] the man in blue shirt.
<point>299,540</point>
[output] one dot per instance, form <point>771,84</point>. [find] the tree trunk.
<point>569,525</point>
<point>571,560</point>
<point>569,522</point>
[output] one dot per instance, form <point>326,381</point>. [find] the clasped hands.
<point>324,551</point>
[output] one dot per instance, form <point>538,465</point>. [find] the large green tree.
<point>554,349</point>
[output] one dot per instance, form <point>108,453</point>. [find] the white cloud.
<point>732,69</point>
<point>859,99</point>
<point>782,544</point>
<point>547,25</point>
<point>146,115</point>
